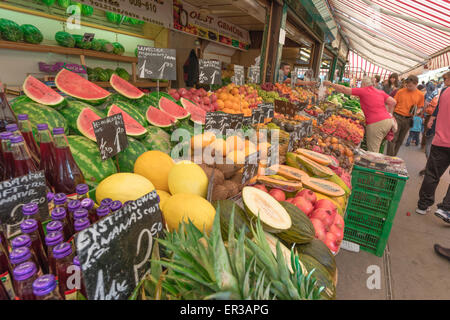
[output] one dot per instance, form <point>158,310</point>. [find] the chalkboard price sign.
<point>15,193</point>
<point>257,116</point>
<point>298,133</point>
<point>88,37</point>
<point>254,74</point>
<point>238,77</point>
<point>236,121</point>
<point>114,253</point>
<point>328,113</point>
<point>111,135</point>
<point>268,109</point>
<point>286,108</point>
<point>320,118</point>
<point>250,167</point>
<point>210,72</point>
<point>247,121</point>
<point>216,121</point>
<point>157,63</point>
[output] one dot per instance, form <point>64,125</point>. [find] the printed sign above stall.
<point>189,19</point>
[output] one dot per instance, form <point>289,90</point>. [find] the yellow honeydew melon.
<point>188,178</point>
<point>163,196</point>
<point>155,166</point>
<point>123,187</point>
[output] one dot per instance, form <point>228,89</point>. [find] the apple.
<point>339,222</point>
<point>197,99</point>
<point>182,91</point>
<point>321,233</point>
<point>176,96</point>
<point>278,194</point>
<point>206,100</point>
<point>332,242</point>
<point>304,205</point>
<point>260,187</point>
<point>193,91</point>
<point>202,92</point>
<point>213,97</point>
<point>172,91</point>
<point>325,204</point>
<point>324,215</point>
<point>308,195</point>
<point>337,232</point>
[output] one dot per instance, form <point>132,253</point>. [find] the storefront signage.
<point>15,193</point>
<point>157,63</point>
<point>158,12</point>
<point>254,74</point>
<point>111,135</point>
<point>115,252</point>
<point>210,71</point>
<point>192,20</point>
<point>238,77</point>
<point>250,167</point>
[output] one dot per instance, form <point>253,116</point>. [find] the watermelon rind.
<point>166,105</point>
<point>72,112</point>
<point>31,82</point>
<point>157,142</point>
<point>133,112</point>
<point>198,115</point>
<point>86,129</point>
<point>127,158</point>
<point>125,88</point>
<point>158,95</point>
<point>138,132</point>
<point>166,120</point>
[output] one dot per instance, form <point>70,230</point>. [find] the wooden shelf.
<point>139,84</point>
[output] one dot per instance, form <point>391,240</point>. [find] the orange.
<point>223,96</point>
<point>235,91</point>
<point>226,110</point>
<point>236,99</point>
<point>220,103</point>
<point>228,104</point>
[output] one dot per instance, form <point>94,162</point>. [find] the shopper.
<point>432,91</point>
<point>409,100</point>
<point>286,70</point>
<point>439,158</point>
<point>443,252</point>
<point>377,84</point>
<point>393,83</point>
<point>417,128</point>
<point>374,102</point>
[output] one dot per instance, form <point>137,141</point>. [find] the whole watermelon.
<point>106,46</point>
<point>96,45</point>
<point>79,43</point>
<point>74,3</point>
<point>114,17</point>
<point>87,156</point>
<point>73,110</point>
<point>10,31</point>
<point>118,48</point>
<point>87,10</point>
<point>65,39</point>
<point>103,75</point>
<point>128,157</point>
<point>121,72</point>
<point>63,3</point>
<point>48,2</point>
<point>110,72</point>
<point>31,34</point>
<point>157,139</point>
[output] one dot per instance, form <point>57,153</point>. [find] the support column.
<point>333,69</point>
<point>317,58</point>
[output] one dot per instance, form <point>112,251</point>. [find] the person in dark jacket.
<point>190,69</point>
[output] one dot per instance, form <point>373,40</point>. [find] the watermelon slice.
<point>132,127</point>
<point>159,118</point>
<point>172,109</point>
<point>84,123</point>
<point>40,93</point>
<point>125,88</point>
<point>78,87</point>
<point>198,115</point>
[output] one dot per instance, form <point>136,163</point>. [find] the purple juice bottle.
<point>82,191</point>
<point>64,255</point>
<point>59,214</point>
<point>88,204</point>
<point>72,206</point>
<point>54,226</point>
<point>30,227</point>
<point>31,211</point>
<point>82,287</point>
<point>60,200</point>
<point>53,239</point>
<point>80,214</point>
<point>19,256</point>
<point>102,212</point>
<point>81,224</point>
<point>115,205</point>
<point>24,240</point>
<point>45,288</point>
<point>106,202</point>
<point>51,205</point>
<point>24,276</point>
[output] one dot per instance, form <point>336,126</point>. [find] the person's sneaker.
<point>443,252</point>
<point>422,212</point>
<point>444,215</point>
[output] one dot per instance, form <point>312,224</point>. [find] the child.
<point>417,128</point>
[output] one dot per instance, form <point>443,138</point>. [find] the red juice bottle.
<point>88,204</point>
<point>102,212</point>
<point>82,191</point>
<point>23,164</point>
<point>60,214</point>
<point>31,211</point>
<point>3,241</point>
<point>30,227</point>
<point>19,256</point>
<point>52,240</point>
<point>68,174</point>
<point>5,273</point>
<point>8,158</point>
<point>46,288</point>
<point>7,116</point>
<point>47,151</point>
<point>24,276</point>
<point>55,226</point>
<point>72,207</point>
<point>82,287</point>
<point>14,129</point>
<point>3,293</point>
<point>22,241</point>
<point>27,133</point>
<point>64,254</point>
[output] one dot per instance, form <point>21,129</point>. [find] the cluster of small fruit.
<point>205,100</point>
<point>344,128</point>
<point>238,99</point>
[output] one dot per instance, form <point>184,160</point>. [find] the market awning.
<point>395,34</point>
<point>440,61</point>
<point>358,66</point>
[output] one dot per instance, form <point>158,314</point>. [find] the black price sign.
<point>238,77</point>
<point>17,192</point>
<point>115,252</point>
<point>298,133</point>
<point>250,167</point>
<point>254,74</point>
<point>88,37</point>
<point>111,135</point>
<point>320,118</point>
<point>210,72</point>
<point>328,113</point>
<point>257,116</point>
<point>308,127</point>
<point>236,121</point>
<point>268,109</point>
<point>216,121</point>
<point>286,108</point>
<point>157,63</point>
<point>247,121</point>
<point>272,155</point>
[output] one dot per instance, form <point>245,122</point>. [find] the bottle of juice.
<point>24,276</point>
<point>30,211</point>
<point>82,191</point>
<point>24,240</point>
<point>27,133</point>
<point>72,207</point>
<point>60,214</point>
<point>5,273</point>
<point>63,254</point>
<point>7,116</point>
<point>115,205</point>
<point>51,205</point>
<point>7,155</point>
<point>102,212</point>
<point>19,256</point>
<point>60,201</point>
<point>45,288</point>
<point>3,293</point>
<point>88,204</point>
<point>52,239</point>
<point>3,241</point>
<point>76,263</point>
<point>23,163</point>
<point>68,174</point>
<point>80,214</point>
<point>106,202</point>
<point>30,227</point>
<point>55,226</point>
<point>81,224</point>
<point>47,151</point>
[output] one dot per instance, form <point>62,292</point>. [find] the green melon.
<point>118,48</point>
<point>132,111</point>
<point>79,43</point>
<point>72,112</point>
<point>65,39</point>
<point>10,31</point>
<point>161,143</point>
<point>127,158</point>
<point>96,45</point>
<point>31,34</point>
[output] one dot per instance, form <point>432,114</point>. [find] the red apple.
<point>308,195</point>
<point>332,242</point>
<point>321,233</point>
<point>303,205</point>
<point>337,232</point>
<point>193,91</point>
<point>261,187</point>
<point>324,215</point>
<point>213,97</point>
<point>201,92</point>
<point>278,194</point>
<point>182,91</point>
<point>206,100</point>
<point>325,204</point>
<point>172,91</point>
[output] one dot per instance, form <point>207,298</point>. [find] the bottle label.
<point>7,283</point>
<point>71,294</point>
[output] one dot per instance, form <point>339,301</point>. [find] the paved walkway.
<point>409,269</point>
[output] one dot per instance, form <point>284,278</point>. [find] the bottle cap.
<point>42,126</point>
<point>24,271</point>
<point>87,203</point>
<point>5,135</point>
<point>30,209</point>
<point>22,116</point>
<point>74,205</point>
<point>102,211</point>
<point>16,139</point>
<point>60,198</point>
<point>12,127</point>
<point>54,238</point>
<point>50,196</point>
<point>82,189</point>
<point>76,261</point>
<point>62,250</point>
<point>28,226</point>
<point>21,241</point>
<point>44,285</point>
<point>58,213</point>
<point>127,203</point>
<point>58,130</point>
<point>115,205</point>
<point>106,202</point>
<point>19,255</point>
<point>80,214</point>
<point>81,224</point>
<point>54,226</point>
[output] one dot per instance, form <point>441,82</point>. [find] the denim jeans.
<point>413,135</point>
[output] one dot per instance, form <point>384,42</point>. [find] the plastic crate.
<point>368,241</point>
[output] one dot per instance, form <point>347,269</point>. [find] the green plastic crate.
<point>371,208</point>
